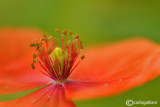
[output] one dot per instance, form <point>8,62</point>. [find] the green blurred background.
<point>97,21</point>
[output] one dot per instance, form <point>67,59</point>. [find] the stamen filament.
<point>57,63</point>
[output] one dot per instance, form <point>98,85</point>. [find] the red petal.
<point>15,43</point>
<point>19,76</point>
<point>121,66</point>
<point>49,96</point>
<point>16,56</point>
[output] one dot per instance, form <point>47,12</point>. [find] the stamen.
<point>34,56</point>
<point>82,57</point>
<point>64,32</point>
<point>57,62</point>
<point>58,31</point>
<point>32,65</point>
<point>35,61</point>
<point>70,32</point>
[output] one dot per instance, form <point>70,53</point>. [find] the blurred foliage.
<point>96,21</point>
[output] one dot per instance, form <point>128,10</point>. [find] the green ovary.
<point>60,55</point>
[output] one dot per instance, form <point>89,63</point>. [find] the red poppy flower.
<point>106,70</point>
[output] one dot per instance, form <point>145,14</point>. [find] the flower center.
<point>57,62</point>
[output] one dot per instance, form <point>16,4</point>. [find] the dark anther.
<point>32,65</point>
<point>32,45</point>
<point>82,57</point>
<point>64,32</point>
<point>76,36</point>
<point>35,61</point>
<point>34,55</point>
<point>42,39</point>
<point>37,46</point>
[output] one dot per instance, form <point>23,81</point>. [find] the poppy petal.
<point>50,96</point>
<point>107,59</point>
<point>15,43</point>
<point>16,56</point>
<point>19,76</point>
<point>117,67</point>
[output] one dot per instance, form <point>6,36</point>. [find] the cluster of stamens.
<point>57,62</point>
